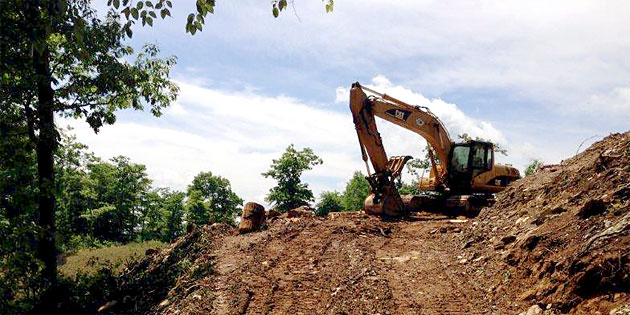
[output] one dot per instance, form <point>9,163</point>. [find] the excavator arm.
<point>385,199</point>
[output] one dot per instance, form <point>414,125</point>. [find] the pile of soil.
<point>560,238</point>
<point>554,242</point>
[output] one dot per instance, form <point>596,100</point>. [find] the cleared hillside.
<point>555,242</point>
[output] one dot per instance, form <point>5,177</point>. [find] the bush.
<point>329,201</point>
<point>20,271</point>
<point>90,261</point>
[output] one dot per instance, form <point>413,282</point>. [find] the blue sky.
<point>538,77</point>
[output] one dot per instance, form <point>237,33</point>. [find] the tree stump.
<point>303,211</point>
<point>253,217</point>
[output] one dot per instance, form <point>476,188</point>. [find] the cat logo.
<point>398,113</point>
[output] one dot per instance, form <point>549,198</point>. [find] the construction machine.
<point>463,176</point>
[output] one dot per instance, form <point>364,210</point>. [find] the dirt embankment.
<point>555,241</point>
<point>561,237</point>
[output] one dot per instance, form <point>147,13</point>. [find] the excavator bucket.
<point>384,198</point>
<point>387,203</point>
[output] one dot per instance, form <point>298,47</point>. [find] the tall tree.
<point>172,215</point>
<point>60,57</point>
<point>211,199</point>
<point>290,192</point>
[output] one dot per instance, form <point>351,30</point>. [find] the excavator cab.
<point>468,160</point>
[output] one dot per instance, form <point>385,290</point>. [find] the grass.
<point>88,261</point>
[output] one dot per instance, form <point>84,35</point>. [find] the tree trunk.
<point>46,144</point>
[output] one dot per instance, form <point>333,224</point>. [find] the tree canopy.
<point>211,200</point>
<point>357,189</point>
<point>329,201</point>
<point>290,192</point>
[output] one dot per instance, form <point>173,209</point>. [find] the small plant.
<point>533,166</point>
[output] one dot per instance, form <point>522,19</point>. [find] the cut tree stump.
<point>303,211</point>
<point>253,217</point>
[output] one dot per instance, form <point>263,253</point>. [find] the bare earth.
<point>556,242</point>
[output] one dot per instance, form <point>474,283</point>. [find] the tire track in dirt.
<point>350,264</point>
<point>422,270</point>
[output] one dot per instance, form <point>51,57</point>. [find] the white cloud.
<point>556,51</point>
<point>616,101</point>
<point>237,134</point>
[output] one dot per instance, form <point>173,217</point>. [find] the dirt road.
<point>349,263</point>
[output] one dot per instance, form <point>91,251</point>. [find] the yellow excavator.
<point>463,176</point>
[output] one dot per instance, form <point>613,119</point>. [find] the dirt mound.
<point>344,263</point>
<point>561,237</point>
<point>554,242</point>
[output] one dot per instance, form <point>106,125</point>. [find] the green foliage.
<point>496,147</point>
<point>147,11</point>
<point>117,193</point>
<point>533,166</point>
<point>61,58</point>
<point>408,189</point>
<point>85,292</point>
<point>290,192</point>
<point>20,270</point>
<point>329,201</point>
<point>173,215</point>
<point>211,199</point>
<point>419,166</point>
<point>357,189</point>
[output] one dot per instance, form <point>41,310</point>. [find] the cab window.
<point>479,156</point>
<point>459,160</point>
<point>489,158</point>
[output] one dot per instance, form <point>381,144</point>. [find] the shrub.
<point>329,201</point>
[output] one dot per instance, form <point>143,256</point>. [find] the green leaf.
<point>152,14</point>
<point>282,4</point>
<point>116,3</point>
<point>139,5</point>
<point>190,18</point>
<point>169,4</point>
<point>148,4</point>
<point>150,20</point>
<point>275,12</point>
<point>163,13</point>
<point>134,13</point>
<point>200,6</point>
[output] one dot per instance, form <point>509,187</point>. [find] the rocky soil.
<point>555,242</point>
